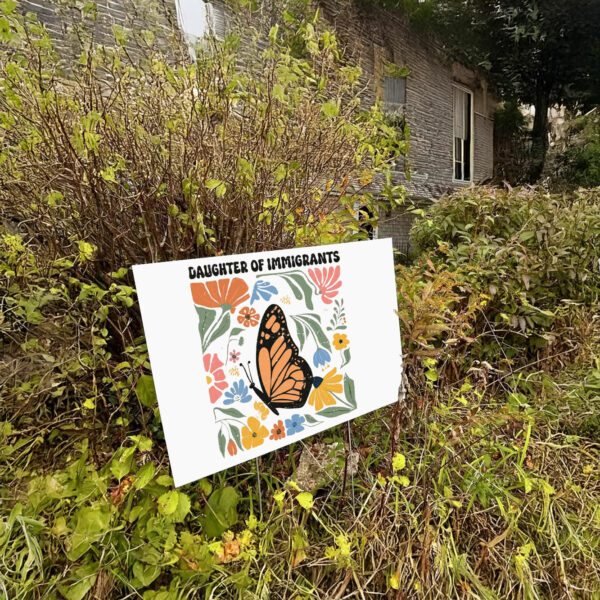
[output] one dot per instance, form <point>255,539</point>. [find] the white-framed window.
<point>462,102</point>
<point>394,94</point>
<point>199,19</point>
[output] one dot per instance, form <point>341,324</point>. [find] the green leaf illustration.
<point>312,323</point>
<point>334,411</point>
<point>206,318</point>
<point>295,289</point>
<point>299,286</point>
<point>300,279</point>
<point>231,412</point>
<point>235,432</point>
<point>221,328</point>
<point>310,419</point>
<point>346,356</point>
<point>221,442</point>
<point>301,333</point>
<point>349,391</point>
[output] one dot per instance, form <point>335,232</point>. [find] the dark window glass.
<point>394,93</point>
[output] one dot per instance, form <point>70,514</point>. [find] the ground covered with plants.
<point>483,481</point>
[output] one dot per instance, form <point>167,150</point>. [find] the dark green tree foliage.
<point>539,52</point>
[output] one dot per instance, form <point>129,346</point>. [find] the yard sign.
<point>252,352</point>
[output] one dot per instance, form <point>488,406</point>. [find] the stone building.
<point>447,107</point>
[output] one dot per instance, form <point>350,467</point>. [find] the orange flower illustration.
<point>253,435</point>
<point>324,388</point>
<point>248,317</point>
<point>224,293</point>
<point>327,281</point>
<point>215,377</point>
<point>278,431</point>
<point>231,448</point>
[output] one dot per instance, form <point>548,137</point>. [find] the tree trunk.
<point>539,136</point>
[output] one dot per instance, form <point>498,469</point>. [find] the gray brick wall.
<point>396,225</point>
<point>374,36</point>
<point>62,19</point>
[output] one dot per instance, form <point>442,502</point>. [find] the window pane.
<point>458,150</point>
<point>460,107</point>
<point>192,16</point>
<point>394,92</point>
<point>216,20</point>
<point>462,116</point>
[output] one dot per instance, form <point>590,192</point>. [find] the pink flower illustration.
<point>327,281</point>
<point>215,376</point>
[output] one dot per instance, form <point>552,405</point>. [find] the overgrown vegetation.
<point>153,158</point>
<point>579,163</point>
<point>482,482</point>
<point>538,52</point>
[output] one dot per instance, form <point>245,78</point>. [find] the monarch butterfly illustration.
<point>284,376</point>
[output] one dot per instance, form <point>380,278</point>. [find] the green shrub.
<point>154,157</point>
<point>580,163</point>
<point>525,252</point>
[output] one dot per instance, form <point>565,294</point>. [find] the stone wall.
<point>374,37</point>
<point>62,18</point>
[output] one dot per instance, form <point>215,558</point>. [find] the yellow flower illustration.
<point>323,388</point>
<point>234,371</point>
<point>253,435</point>
<point>262,409</point>
<point>340,341</point>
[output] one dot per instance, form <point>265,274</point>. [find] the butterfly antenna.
<point>249,377</point>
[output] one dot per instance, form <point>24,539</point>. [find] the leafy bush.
<point>580,162</point>
<point>130,158</point>
<point>525,252</point>
<point>155,158</point>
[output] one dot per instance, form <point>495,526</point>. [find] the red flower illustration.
<point>327,281</point>
<point>232,448</point>
<point>278,431</point>
<point>215,376</point>
<point>224,293</point>
<point>248,317</point>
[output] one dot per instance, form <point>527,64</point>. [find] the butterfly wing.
<point>284,375</point>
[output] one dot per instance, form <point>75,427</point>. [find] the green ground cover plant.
<point>482,482</point>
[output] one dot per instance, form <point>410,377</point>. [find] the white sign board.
<point>252,352</point>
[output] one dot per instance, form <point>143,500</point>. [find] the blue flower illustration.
<point>294,424</point>
<point>238,392</point>
<point>262,289</point>
<point>321,357</point>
